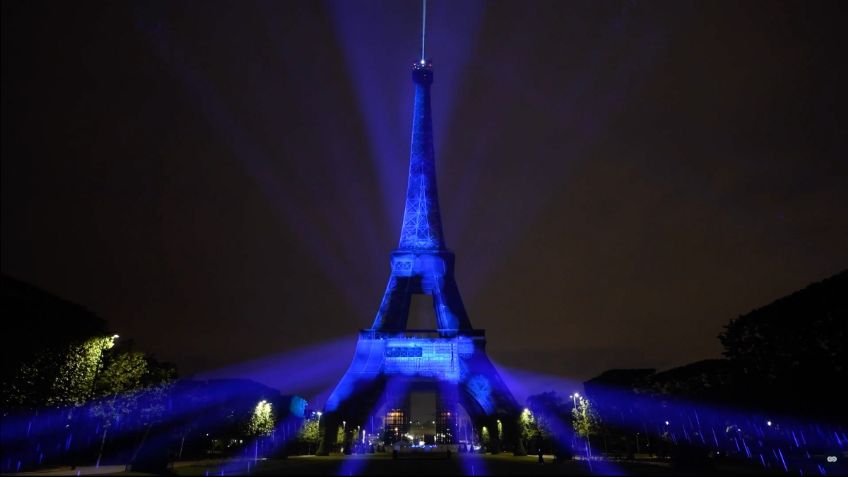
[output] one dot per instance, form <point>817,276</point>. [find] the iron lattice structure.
<point>422,221</point>
<point>390,360</point>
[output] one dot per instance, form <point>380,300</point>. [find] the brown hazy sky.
<point>224,181</point>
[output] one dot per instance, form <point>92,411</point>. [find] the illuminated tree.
<point>484,436</point>
<point>545,424</point>
<point>42,333</point>
<point>130,388</point>
<point>528,425</point>
<point>340,435</point>
<point>533,429</point>
<point>262,420</point>
<point>309,433</point>
<point>59,376</point>
<point>75,381</point>
<point>131,385</point>
<point>586,422</point>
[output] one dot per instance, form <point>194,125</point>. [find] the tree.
<point>75,381</point>
<point>131,388</point>
<point>533,431</point>
<point>549,413</point>
<point>792,353</point>
<point>309,433</point>
<point>41,329</point>
<point>529,426</point>
<point>586,422</point>
<point>262,420</point>
<point>340,435</point>
<point>131,385</point>
<point>58,376</point>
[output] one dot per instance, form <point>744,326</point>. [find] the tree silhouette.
<point>791,354</point>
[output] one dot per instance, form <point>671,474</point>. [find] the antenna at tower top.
<point>423,26</point>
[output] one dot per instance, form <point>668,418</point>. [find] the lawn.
<point>503,464</point>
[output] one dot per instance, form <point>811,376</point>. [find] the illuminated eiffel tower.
<point>390,360</point>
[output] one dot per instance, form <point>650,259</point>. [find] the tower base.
<point>387,365</point>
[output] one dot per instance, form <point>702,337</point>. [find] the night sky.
<point>224,181</point>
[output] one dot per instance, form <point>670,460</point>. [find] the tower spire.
<point>422,222</point>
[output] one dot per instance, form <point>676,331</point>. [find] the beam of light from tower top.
<point>423,27</point>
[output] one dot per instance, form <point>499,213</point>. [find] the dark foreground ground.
<point>504,464</point>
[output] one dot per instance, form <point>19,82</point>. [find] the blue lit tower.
<point>421,263</point>
<point>390,360</point>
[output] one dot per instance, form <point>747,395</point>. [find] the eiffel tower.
<point>390,360</point>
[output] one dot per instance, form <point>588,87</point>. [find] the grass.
<point>380,464</point>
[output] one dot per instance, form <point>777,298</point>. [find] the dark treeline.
<point>786,358</point>
<point>74,394</point>
<point>36,321</point>
<point>776,400</point>
<point>777,396</point>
